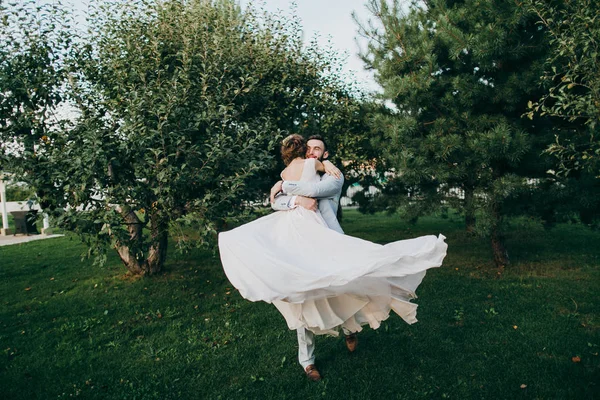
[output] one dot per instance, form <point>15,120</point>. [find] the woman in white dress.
<point>320,279</point>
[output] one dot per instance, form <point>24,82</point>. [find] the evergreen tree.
<point>460,75</point>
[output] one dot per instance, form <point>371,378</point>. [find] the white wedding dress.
<point>323,280</point>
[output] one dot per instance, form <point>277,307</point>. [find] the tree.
<point>180,108</point>
<point>460,74</point>
<point>572,81</point>
<point>34,40</point>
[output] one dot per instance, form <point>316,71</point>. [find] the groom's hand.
<point>306,202</point>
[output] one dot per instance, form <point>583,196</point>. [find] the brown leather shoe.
<point>312,373</point>
<point>351,342</point>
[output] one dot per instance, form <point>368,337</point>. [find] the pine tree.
<point>460,74</point>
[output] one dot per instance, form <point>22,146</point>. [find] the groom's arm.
<point>284,202</point>
<point>329,186</point>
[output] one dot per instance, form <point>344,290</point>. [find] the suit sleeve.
<point>282,202</point>
<point>329,186</point>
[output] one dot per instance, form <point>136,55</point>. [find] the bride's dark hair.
<point>292,147</point>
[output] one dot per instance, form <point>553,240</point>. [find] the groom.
<point>324,195</point>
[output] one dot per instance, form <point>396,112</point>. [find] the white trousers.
<point>306,347</point>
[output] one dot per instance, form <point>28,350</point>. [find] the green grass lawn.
<point>69,329</point>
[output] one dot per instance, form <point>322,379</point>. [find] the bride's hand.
<point>331,169</point>
<point>275,189</point>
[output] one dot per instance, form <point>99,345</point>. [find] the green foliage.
<point>19,192</point>
<point>177,116</point>
<point>180,106</point>
<point>459,74</point>
<point>34,40</point>
<point>572,81</point>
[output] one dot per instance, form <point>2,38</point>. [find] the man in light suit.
<point>324,195</point>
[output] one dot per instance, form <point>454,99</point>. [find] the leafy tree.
<point>180,108</point>
<point>572,80</point>
<point>34,40</point>
<point>460,74</point>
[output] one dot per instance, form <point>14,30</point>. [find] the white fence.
<point>346,200</point>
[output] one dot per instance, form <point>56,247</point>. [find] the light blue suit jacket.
<point>327,191</point>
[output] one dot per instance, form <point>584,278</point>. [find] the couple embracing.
<point>321,280</point>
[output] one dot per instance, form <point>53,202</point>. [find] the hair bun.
<point>293,146</point>
<point>293,138</point>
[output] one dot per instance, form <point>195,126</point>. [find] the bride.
<point>319,279</point>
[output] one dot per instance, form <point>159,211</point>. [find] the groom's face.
<point>316,149</point>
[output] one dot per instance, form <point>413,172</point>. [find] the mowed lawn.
<point>70,329</point>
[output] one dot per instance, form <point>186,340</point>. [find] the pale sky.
<point>329,19</point>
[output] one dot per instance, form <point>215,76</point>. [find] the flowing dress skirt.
<point>323,280</point>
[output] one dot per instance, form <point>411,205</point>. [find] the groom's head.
<point>316,148</point>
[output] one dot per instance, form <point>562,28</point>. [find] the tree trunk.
<point>500,254</point>
<point>497,240</point>
<point>132,262</point>
<point>159,239</point>
<point>469,209</point>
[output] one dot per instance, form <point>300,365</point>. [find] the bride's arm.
<point>275,190</point>
<point>327,167</point>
